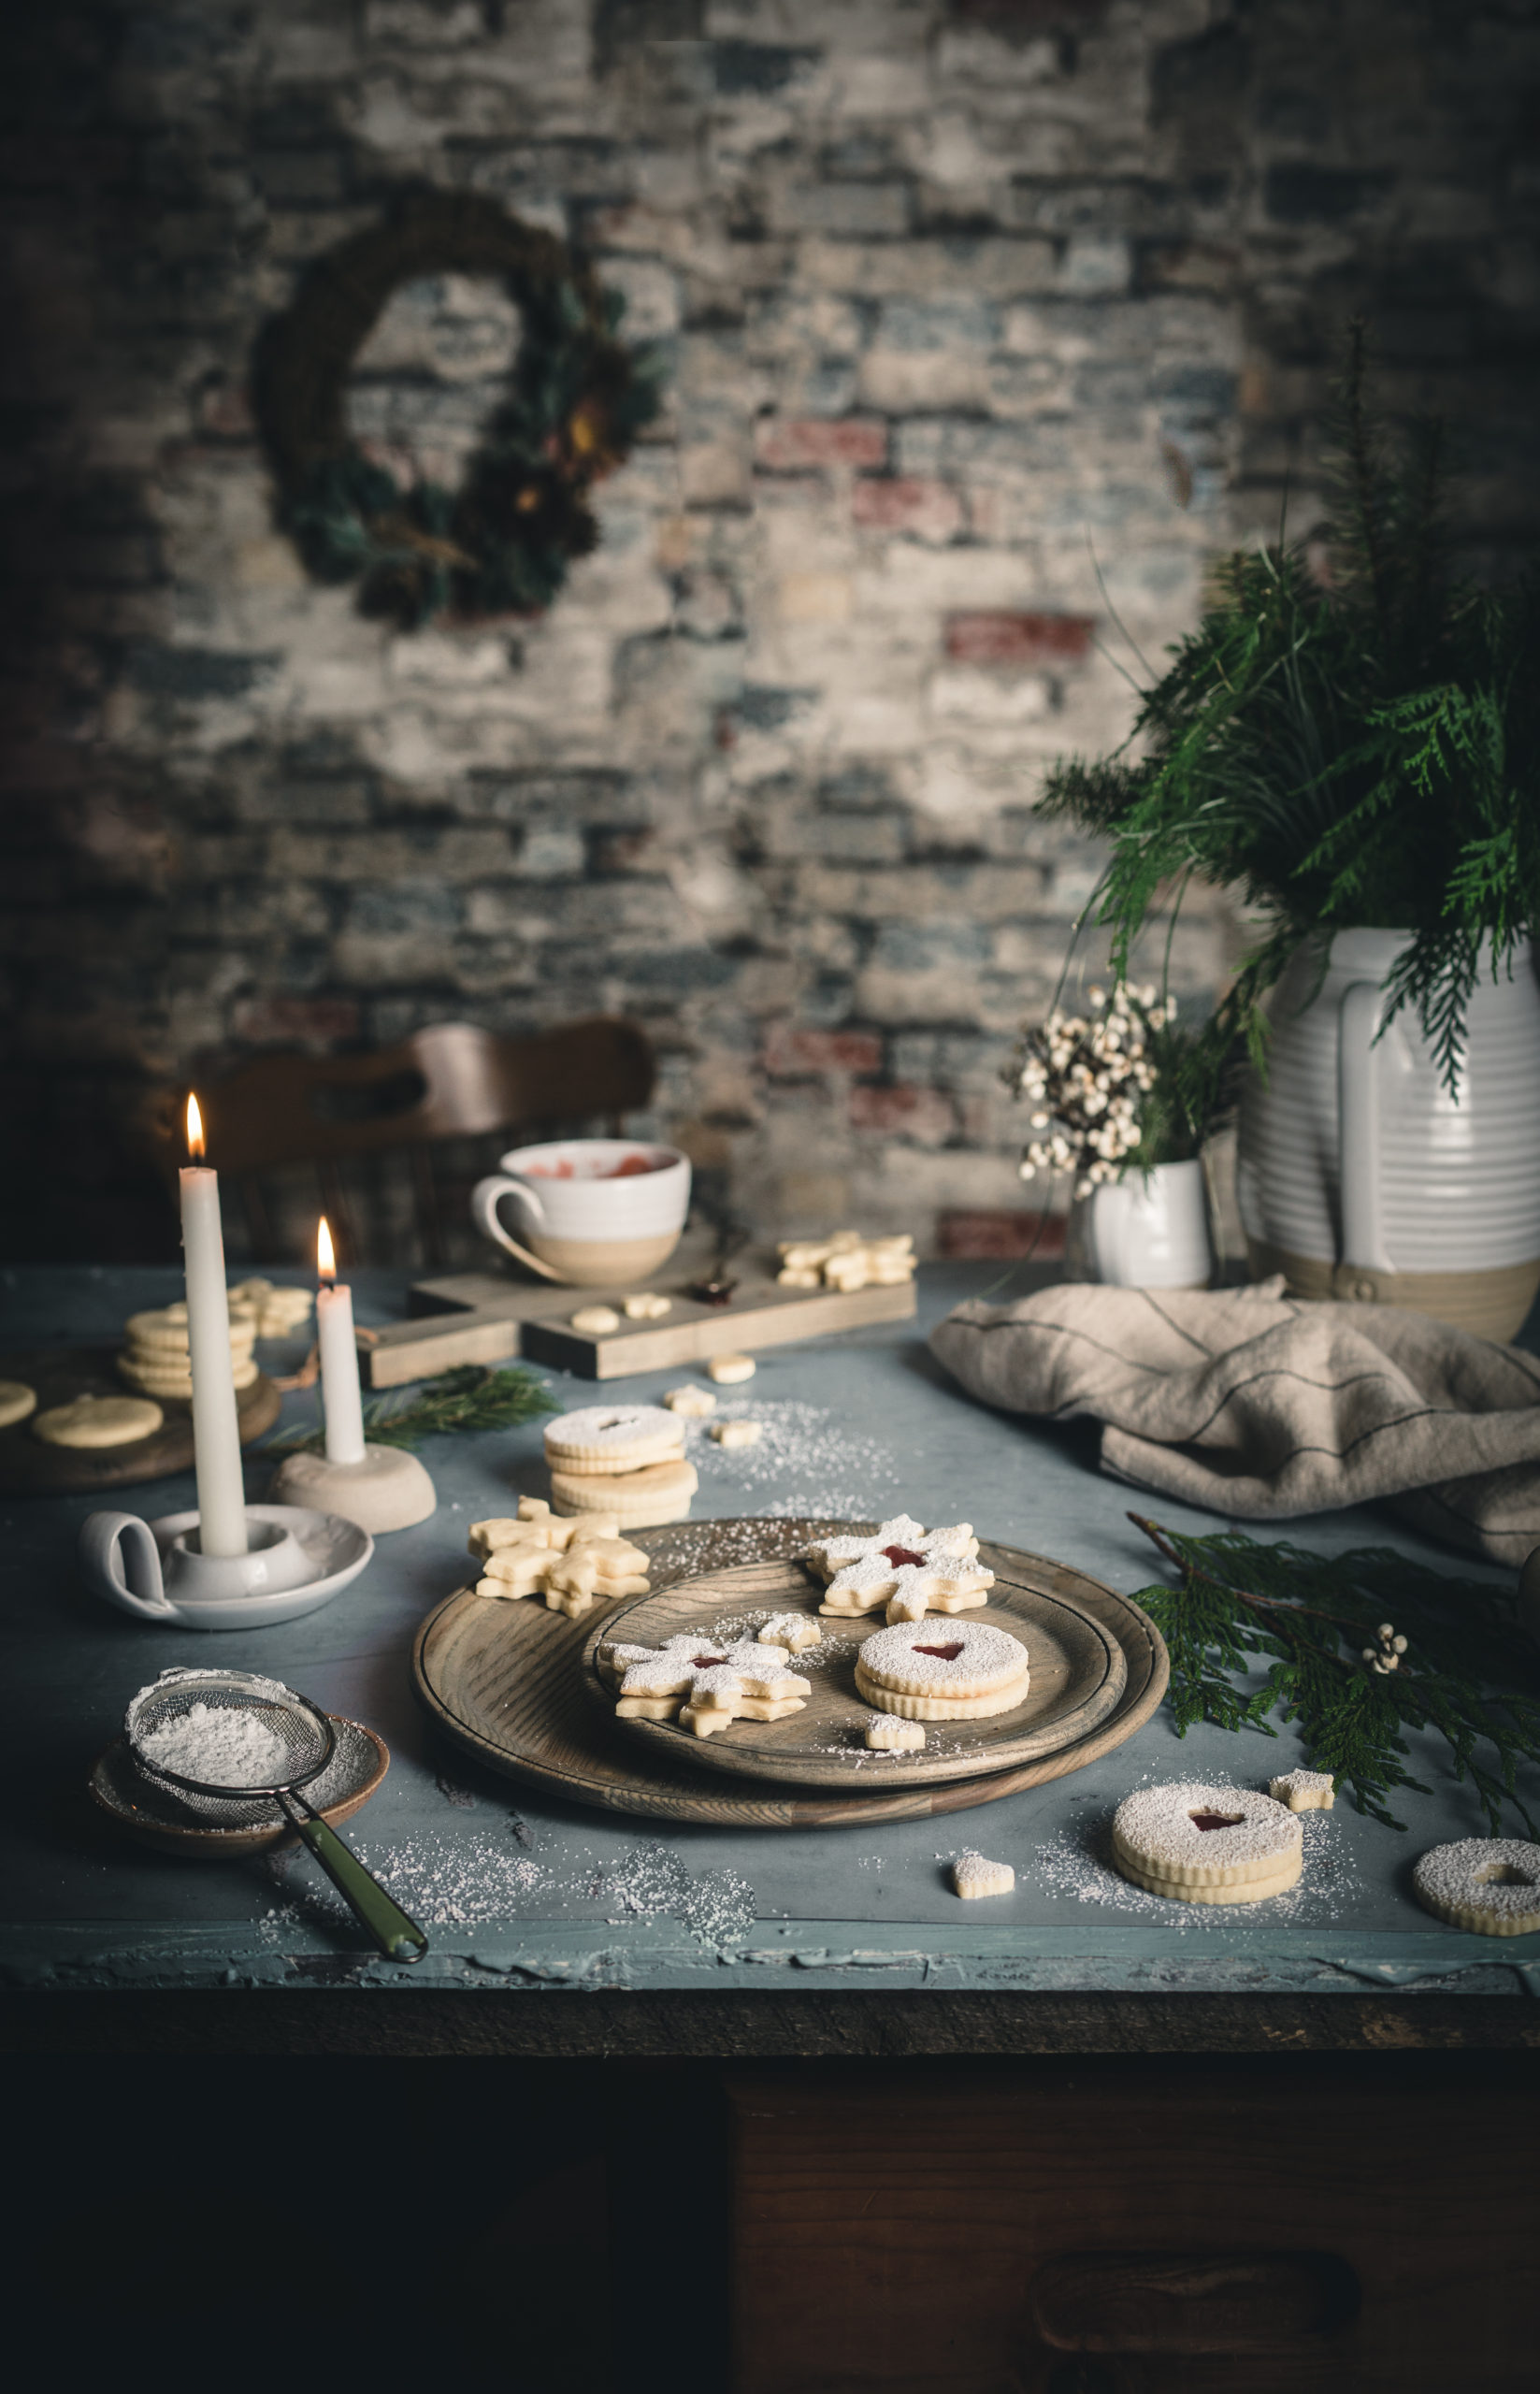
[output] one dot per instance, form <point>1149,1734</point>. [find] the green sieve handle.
<point>398,1938</point>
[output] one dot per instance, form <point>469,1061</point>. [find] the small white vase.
<point>1361,1177</point>
<point>1144,1233</point>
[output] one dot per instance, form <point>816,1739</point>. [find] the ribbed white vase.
<point>1359,1176</point>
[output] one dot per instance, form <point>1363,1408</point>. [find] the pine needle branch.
<point>1468,1674</point>
<point>473,1397</point>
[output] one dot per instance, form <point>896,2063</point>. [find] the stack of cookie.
<point>157,1361</point>
<point>627,1461</point>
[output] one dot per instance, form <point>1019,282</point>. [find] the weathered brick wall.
<point>989,322</point>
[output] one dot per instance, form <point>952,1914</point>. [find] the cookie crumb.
<point>737,1434</point>
<point>1303,1791</point>
<point>694,1402</point>
<point>727,1370</point>
<point>972,1875</point>
<point>598,1321</point>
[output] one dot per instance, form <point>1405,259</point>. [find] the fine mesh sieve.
<point>306,1739</point>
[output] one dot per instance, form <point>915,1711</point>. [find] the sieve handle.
<point>398,1938</point>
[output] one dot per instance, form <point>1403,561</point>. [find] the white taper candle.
<point>216,1428</point>
<point>341,1398</point>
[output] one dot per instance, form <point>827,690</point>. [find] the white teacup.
<point>588,1213</point>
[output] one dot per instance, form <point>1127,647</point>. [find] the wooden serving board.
<point>1078,1672</point>
<point>505,1682</point>
<point>28,1467</point>
<point>500,1316</point>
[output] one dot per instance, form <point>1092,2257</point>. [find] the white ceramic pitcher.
<point>1358,1174</point>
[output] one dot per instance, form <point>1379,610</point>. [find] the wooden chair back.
<point>452,1080</point>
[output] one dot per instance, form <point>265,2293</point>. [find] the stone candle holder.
<point>388,1490</point>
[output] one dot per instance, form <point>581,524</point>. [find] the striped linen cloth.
<point>1256,1405</point>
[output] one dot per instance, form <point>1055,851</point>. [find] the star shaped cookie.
<point>908,1568</point>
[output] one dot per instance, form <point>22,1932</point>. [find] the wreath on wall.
<point>577,396</point>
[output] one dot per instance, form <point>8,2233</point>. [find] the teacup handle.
<point>118,1548</point>
<point>483,1212</point>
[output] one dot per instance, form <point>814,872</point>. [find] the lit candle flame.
<point>326,1254</point>
<point>194,1128</point>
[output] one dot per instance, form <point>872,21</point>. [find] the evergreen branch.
<point>1312,1619</point>
<point>473,1397</point>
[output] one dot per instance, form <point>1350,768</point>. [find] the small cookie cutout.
<point>596,1320</point>
<point>1303,1791</point>
<point>887,1734</point>
<point>17,1401</point>
<point>647,1305</point>
<point>691,1402</point>
<point>737,1434</point>
<point>93,1421</point>
<point>972,1875</point>
<point>727,1370</point>
<point>792,1630</point>
<point>1491,1884</point>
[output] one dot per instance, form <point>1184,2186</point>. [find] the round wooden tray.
<point>505,1682</point>
<point>28,1467</point>
<point>1078,1673</point>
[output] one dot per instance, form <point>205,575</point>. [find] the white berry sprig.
<point>1087,1079</point>
<point>1385,1655</point>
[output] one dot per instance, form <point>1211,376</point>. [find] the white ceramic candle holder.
<point>389,1490</point>
<point>298,1558</point>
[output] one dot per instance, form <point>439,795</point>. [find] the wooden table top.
<point>524,1892</point>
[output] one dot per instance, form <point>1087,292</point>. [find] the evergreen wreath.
<point>577,397</point>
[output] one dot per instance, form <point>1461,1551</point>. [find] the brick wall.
<point>989,321</point>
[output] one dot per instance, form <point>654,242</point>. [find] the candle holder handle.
<point>118,1556</point>
<point>398,1938</point>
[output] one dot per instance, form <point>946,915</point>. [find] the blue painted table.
<point>520,1892</point>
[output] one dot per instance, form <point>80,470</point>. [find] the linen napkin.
<point>1254,1403</point>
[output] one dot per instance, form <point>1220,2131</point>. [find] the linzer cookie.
<point>1207,1845</point>
<point>612,1438</point>
<point>98,1422</point>
<point>966,1670</point>
<point>903,1565</point>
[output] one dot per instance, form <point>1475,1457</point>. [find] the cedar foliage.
<point>472,1397</point>
<point>1467,1674</point>
<point>1362,754</point>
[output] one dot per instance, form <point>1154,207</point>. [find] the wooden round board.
<point>28,1467</point>
<point>156,1816</point>
<point>1077,1674</point>
<point>505,1682</point>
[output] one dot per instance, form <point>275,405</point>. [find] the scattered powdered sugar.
<point>456,1883</point>
<point>223,1745</point>
<point>808,1460</point>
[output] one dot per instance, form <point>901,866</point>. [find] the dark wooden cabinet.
<point>1118,2227</point>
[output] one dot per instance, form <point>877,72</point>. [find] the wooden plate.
<point>28,1467</point>
<point>1078,1673</point>
<point>505,1682</point>
<point>157,1817</point>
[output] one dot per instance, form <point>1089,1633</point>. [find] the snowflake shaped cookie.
<point>572,1564</point>
<point>903,1565</point>
<point>705,1682</point>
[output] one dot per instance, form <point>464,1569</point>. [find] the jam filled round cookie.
<point>613,1439</point>
<point>1488,1883</point>
<point>1207,1845</point>
<point>955,1670</point>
